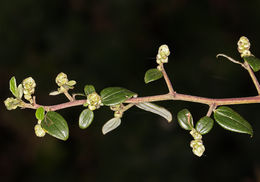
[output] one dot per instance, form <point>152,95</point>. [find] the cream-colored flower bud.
<point>164,51</point>
<point>94,101</point>
<point>197,147</point>
<point>61,79</point>
<point>29,86</point>
<point>11,103</point>
<point>195,134</point>
<point>243,46</point>
<point>39,132</point>
<point>246,53</point>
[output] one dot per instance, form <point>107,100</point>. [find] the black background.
<point>113,43</point>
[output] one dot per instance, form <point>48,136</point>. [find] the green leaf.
<point>231,120</point>
<point>147,106</point>
<point>85,119</point>
<point>152,75</point>
<point>89,89</point>
<point>111,125</point>
<point>204,125</point>
<point>71,83</point>
<point>185,119</point>
<point>115,95</point>
<point>20,91</point>
<point>55,125</point>
<point>253,62</point>
<point>40,113</point>
<point>13,87</point>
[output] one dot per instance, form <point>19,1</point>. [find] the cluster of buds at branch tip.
<point>29,88</point>
<point>162,56</point>
<point>64,84</point>
<point>243,46</point>
<point>197,144</point>
<point>12,103</point>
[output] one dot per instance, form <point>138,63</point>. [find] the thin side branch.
<point>167,80</point>
<point>253,77</point>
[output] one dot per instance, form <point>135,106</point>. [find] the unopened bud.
<point>29,86</point>
<point>243,46</point>
<point>197,147</point>
<point>94,101</point>
<point>11,103</point>
<point>61,79</point>
<point>39,132</point>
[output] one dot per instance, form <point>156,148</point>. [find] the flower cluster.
<point>39,131</point>
<point>243,46</point>
<point>28,88</point>
<point>12,103</point>
<point>93,101</point>
<point>197,144</point>
<point>163,53</point>
<point>64,84</point>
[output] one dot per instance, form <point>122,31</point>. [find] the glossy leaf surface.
<point>85,119</point>
<point>13,87</point>
<point>253,62</point>
<point>55,125</point>
<point>115,95</point>
<point>89,89</point>
<point>231,120</point>
<point>39,114</point>
<point>185,119</point>
<point>111,125</point>
<point>152,75</point>
<point>204,125</point>
<point>147,106</point>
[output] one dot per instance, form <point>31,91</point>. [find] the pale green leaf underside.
<point>147,106</point>
<point>111,125</point>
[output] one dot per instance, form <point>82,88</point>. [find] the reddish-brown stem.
<point>252,75</point>
<point>169,96</point>
<point>167,80</point>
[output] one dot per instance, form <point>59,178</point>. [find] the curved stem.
<point>252,75</point>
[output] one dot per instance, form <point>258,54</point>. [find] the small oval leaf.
<point>111,125</point>
<point>231,120</point>
<point>185,119</point>
<point>147,106</point>
<point>13,87</point>
<point>40,113</point>
<point>253,62</point>
<point>204,125</point>
<point>152,75</point>
<point>89,89</point>
<point>55,125</point>
<point>85,119</point>
<point>115,95</point>
<point>20,91</point>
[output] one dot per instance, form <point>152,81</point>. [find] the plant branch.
<point>253,77</point>
<point>167,80</point>
<point>169,96</point>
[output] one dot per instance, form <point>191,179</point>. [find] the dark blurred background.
<point>113,43</point>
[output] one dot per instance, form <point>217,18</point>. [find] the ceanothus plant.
<point>120,100</point>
